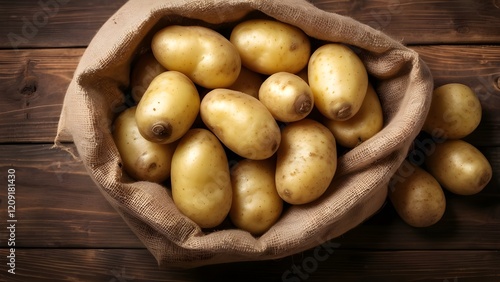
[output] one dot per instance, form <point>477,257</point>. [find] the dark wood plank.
<point>52,23</point>
<point>33,83</point>
<point>429,22</point>
<point>66,23</point>
<point>57,201</point>
<point>339,265</point>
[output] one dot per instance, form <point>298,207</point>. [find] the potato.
<point>141,159</point>
<point>459,167</point>
<point>455,112</point>
<point>338,80</point>
<point>241,122</point>
<point>204,55</point>
<point>363,125</point>
<point>417,196</point>
<point>248,82</point>
<point>143,72</point>
<point>287,96</point>
<point>201,184</point>
<point>269,46</point>
<point>168,108</point>
<point>256,204</point>
<point>306,161</point>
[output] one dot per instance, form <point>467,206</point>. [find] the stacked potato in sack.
<point>241,125</point>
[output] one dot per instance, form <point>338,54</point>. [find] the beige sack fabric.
<point>359,189</point>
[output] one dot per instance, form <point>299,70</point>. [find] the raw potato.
<point>201,184</point>
<point>306,161</point>
<point>204,55</point>
<point>417,196</point>
<point>141,159</point>
<point>460,167</point>
<point>241,122</point>
<point>455,112</point>
<point>269,46</point>
<point>248,82</point>
<point>256,204</point>
<point>287,96</point>
<point>144,71</point>
<point>168,108</point>
<point>362,126</point>
<point>338,80</point>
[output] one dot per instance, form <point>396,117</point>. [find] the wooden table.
<point>66,231</point>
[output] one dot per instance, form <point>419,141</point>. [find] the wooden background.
<point>66,231</point>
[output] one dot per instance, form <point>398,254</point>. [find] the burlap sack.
<point>96,95</point>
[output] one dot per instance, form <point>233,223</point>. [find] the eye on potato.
<point>338,80</point>
<point>269,46</point>
<point>241,122</point>
<point>141,159</point>
<point>459,167</point>
<point>417,196</point>
<point>287,96</point>
<point>168,108</point>
<point>201,184</point>
<point>306,161</point>
<point>256,204</point>
<point>204,55</point>
<point>455,111</point>
<point>363,125</point>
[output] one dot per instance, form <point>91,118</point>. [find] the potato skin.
<point>256,204</point>
<point>269,46</point>
<point>241,122</point>
<point>459,167</point>
<point>306,161</point>
<point>141,159</point>
<point>204,55</point>
<point>248,82</point>
<point>338,80</point>
<point>201,184</point>
<point>168,108</point>
<point>417,196</point>
<point>287,96</point>
<point>455,111</point>
<point>367,122</point>
<point>143,72</point>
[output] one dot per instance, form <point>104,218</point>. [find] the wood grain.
<point>66,210</point>
<point>34,83</point>
<point>100,265</point>
<point>67,23</point>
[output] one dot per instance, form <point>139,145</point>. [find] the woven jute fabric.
<point>96,95</point>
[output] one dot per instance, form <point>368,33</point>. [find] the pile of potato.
<point>442,159</point>
<point>242,124</point>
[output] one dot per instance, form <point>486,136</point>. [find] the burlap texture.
<point>96,94</point>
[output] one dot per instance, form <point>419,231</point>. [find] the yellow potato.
<point>269,46</point>
<point>417,196</point>
<point>201,184</point>
<point>363,125</point>
<point>455,112</point>
<point>287,96</point>
<point>460,167</point>
<point>256,204</point>
<point>338,80</point>
<point>306,161</point>
<point>241,122</point>
<point>143,72</point>
<point>141,159</point>
<point>168,108</point>
<point>204,55</point>
<point>248,82</point>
